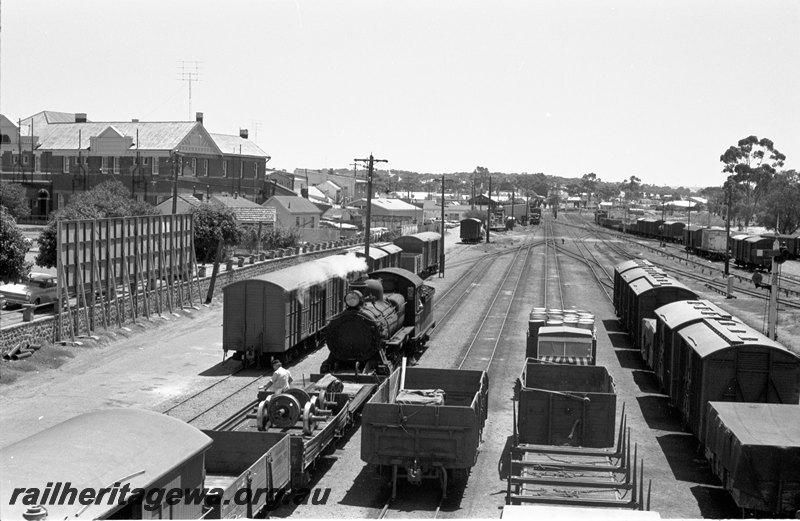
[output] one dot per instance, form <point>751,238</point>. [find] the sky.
<point>655,89</point>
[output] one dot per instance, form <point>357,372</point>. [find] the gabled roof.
<point>230,145</point>
<point>393,204</point>
<point>152,135</point>
<point>244,209</point>
<point>292,204</point>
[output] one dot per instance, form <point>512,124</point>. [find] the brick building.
<point>55,155</point>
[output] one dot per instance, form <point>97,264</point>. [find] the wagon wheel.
<point>309,420</point>
<point>283,410</point>
<point>263,418</point>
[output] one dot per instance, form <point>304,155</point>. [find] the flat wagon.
<point>426,423</point>
<point>726,360</point>
<point>754,450</point>
<point>565,405</point>
<point>277,313</point>
<point>312,414</point>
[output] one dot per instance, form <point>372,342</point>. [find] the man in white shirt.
<point>281,378</point>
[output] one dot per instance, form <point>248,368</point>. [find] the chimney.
<point>80,117</point>
<point>134,121</point>
<point>199,117</point>
<point>243,133</point>
<point>304,193</point>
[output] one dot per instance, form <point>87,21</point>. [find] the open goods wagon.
<point>561,404</point>
<point>275,314</point>
<point>415,431</point>
<point>726,360</point>
<point>472,230</point>
<point>754,450</point>
<point>255,462</point>
<point>428,245</point>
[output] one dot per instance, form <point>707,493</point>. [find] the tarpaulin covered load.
<point>420,397</point>
<point>754,448</point>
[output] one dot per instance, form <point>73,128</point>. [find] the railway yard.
<point>481,309</point>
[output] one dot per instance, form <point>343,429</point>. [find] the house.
<point>294,211</point>
<point>245,210</point>
<point>394,214</point>
<point>56,154</point>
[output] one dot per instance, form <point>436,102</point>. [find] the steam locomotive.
<point>387,316</point>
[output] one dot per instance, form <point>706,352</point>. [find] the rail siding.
<point>44,329</point>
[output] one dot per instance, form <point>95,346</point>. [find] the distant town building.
<point>294,211</point>
<point>56,154</point>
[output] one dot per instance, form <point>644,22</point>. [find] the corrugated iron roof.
<point>292,204</point>
<point>230,145</point>
<point>152,135</point>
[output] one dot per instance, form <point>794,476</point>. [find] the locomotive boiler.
<point>386,317</point>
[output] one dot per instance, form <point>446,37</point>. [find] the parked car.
<point>39,289</point>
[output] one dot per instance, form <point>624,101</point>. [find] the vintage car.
<point>39,289</point>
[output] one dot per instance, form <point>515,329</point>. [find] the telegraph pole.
<point>489,211</point>
<point>727,226</point>
<point>441,251</point>
<point>370,167</point>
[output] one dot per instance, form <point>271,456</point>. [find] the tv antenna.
<point>189,71</point>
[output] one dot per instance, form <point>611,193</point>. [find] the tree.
<point>215,227</point>
<point>12,255</point>
<point>12,196</point>
<point>109,199</point>
<point>780,209</point>
<point>751,165</point>
<point>632,188</point>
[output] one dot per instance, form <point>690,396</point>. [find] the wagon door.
<point>255,305</point>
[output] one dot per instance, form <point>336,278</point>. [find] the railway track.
<point>479,355</point>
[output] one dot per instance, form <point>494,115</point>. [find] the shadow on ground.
<point>686,460</point>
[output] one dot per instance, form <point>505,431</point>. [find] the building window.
<point>60,199</point>
<point>66,165</point>
<point>205,167</point>
<point>146,161</point>
<point>194,167</point>
<point>24,159</point>
<point>224,168</point>
<point>297,221</point>
<point>37,161</point>
<point>14,159</point>
<point>104,165</point>
<point>255,169</point>
<point>155,166</point>
<point>115,164</point>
